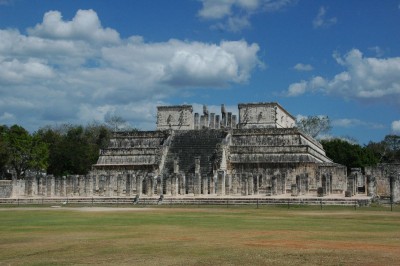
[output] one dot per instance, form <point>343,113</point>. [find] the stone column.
<point>256,184</point>
<point>150,185</point>
<point>228,184</point>
<point>206,114</point>
<point>229,120</point>
<point>185,184</point>
<point>212,120</point>
<point>217,122</point>
<point>298,185</point>
<point>63,186</point>
<point>41,186</point>
<point>89,188</point>
<point>245,185</point>
<point>221,183</point>
<point>394,180</point>
<point>52,185</point>
<point>82,184</point>
<point>274,185</point>
<point>139,183</point>
<point>212,184</point>
<point>234,121</point>
<point>250,181</point>
<point>196,121</point>
<point>371,189</point>
<point>223,119</point>
<point>174,185</point>
<point>14,192</point>
<point>197,177</point>
<point>204,185</point>
<point>168,185</point>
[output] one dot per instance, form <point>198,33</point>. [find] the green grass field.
<point>200,236</point>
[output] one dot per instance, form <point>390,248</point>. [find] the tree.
<point>74,148</point>
<point>314,125</point>
<point>387,150</point>
<point>4,157</point>
<point>349,154</point>
<point>25,151</point>
<point>114,122</point>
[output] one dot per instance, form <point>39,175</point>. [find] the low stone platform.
<point>206,200</point>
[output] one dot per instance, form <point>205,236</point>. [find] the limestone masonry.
<point>260,152</point>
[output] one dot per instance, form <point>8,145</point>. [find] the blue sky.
<point>77,61</point>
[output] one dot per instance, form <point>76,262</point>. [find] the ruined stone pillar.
<point>298,185</point>
<point>184,184</point>
<point>245,185</point>
<point>256,183</point>
<point>204,185</point>
<point>41,186</point>
<point>202,122</point>
<point>274,185</point>
<point>211,189</point>
<point>89,187</point>
<point>197,177</point>
<point>63,186</point>
<point>371,189</point>
<point>223,114</point>
<point>168,182</point>
<point>212,121</point>
<point>228,184</point>
<point>229,120</point>
<point>217,122</point>
<point>250,182</point>
<point>174,185</point>
<point>150,185</point>
<point>221,183</point>
<point>206,114</point>
<point>52,185</point>
<point>15,190</point>
<point>139,183</point>
<point>82,183</point>
<point>234,121</point>
<point>394,180</point>
<point>196,121</point>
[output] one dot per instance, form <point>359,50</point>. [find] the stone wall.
<point>384,181</point>
<point>264,115</point>
<point>178,117</point>
<point>6,188</point>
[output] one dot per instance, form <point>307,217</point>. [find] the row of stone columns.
<point>213,121</point>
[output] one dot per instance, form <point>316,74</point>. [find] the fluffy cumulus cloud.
<point>234,15</point>
<point>396,126</point>
<point>363,79</point>
<point>78,70</point>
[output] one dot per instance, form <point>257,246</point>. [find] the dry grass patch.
<point>199,236</point>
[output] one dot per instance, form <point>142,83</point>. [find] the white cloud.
<point>379,52</point>
<point>321,21</point>
<point>84,26</point>
<point>76,71</point>
<point>363,79</point>
<point>396,126</point>
<point>235,14</point>
<point>303,67</point>
<point>353,122</point>
<point>6,117</point>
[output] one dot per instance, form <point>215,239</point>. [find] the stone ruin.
<point>258,153</point>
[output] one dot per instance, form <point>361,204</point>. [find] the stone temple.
<point>257,153</point>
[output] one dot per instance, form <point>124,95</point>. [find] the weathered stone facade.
<point>262,154</point>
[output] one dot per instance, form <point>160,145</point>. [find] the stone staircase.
<point>187,145</point>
